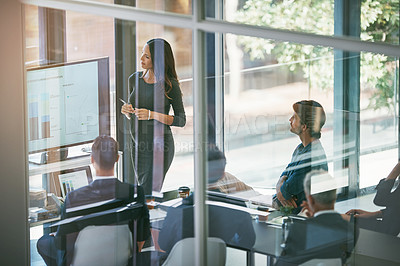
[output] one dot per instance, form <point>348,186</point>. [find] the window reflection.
<point>262,79</point>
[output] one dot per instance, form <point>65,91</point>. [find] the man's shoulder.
<point>98,190</point>
<point>326,220</point>
<point>330,223</point>
<point>330,217</point>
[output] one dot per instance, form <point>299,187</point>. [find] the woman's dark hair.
<point>163,63</point>
<point>312,115</point>
<point>216,163</point>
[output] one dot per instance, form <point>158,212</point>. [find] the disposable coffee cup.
<point>184,192</point>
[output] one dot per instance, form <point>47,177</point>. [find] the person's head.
<point>216,163</point>
<point>318,189</point>
<point>308,117</point>
<point>162,61</point>
<point>104,153</point>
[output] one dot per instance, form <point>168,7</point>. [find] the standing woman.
<point>152,93</point>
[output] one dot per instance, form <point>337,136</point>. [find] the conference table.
<point>268,236</point>
<point>372,248</point>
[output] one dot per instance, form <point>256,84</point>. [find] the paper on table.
<point>265,200</point>
<point>236,207</point>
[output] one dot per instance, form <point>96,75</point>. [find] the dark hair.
<point>105,151</point>
<point>163,63</point>
<point>216,163</point>
<point>312,115</point>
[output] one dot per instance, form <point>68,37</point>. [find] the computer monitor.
<point>71,179</point>
<point>68,104</point>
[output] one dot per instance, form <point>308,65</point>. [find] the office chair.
<point>103,245</point>
<point>183,252</point>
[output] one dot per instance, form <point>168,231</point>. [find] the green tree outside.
<point>379,22</point>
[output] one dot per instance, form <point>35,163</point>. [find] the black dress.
<point>390,222</point>
<point>153,144</point>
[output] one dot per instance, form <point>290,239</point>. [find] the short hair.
<point>324,197</point>
<point>312,115</point>
<point>216,163</point>
<point>105,151</point>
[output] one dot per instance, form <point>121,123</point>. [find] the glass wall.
<point>85,39</point>
<point>261,86</point>
<point>240,95</point>
<point>378,117</point>
<point>264,78</point>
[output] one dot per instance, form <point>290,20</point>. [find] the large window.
<point>379,19</point>
<point>241,68</point>
<point>260,88</point>
<point>89,37</point>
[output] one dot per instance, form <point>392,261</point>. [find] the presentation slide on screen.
<point>72,181</point>
<point>63,106</point>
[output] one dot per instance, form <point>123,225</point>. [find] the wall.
<point>13,210</point>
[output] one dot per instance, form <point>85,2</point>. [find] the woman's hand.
<point>362,213</point>
<point>127,110</point>
<point>143,114</point>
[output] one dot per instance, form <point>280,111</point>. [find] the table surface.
<point>269,239</point>
<point>370,244</point>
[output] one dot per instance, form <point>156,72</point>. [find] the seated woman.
<point>221,181</point>
<point>386,220</point>
<point>179,222</point>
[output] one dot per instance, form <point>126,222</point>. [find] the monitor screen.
<point>72,179</point>
<point>68,104</point>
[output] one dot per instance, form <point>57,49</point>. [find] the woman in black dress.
<point>386,220</point>
<point>152,93</point>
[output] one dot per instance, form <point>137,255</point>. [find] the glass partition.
<point>272,108</point>
<point>60,44</point>
<point>378,117</point>
<point>263,79</point>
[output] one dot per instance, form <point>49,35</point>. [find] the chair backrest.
<point>183,252</point>
<point>103,245</point>
<point>323,262</point>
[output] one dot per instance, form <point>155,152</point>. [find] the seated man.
<point>306,122</point>
<point>104,187</point>
<point>325,234</point>
<point>233,226</point>
<point>386,220</point>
